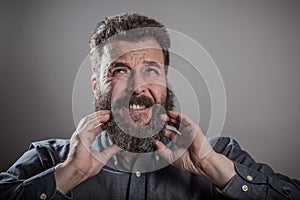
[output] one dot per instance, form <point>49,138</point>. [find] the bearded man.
<point>134,146</point>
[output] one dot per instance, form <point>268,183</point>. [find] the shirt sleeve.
<point>31,178</point>
<point>256,180</point>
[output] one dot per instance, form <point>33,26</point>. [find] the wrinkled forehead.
<point>119,49</point>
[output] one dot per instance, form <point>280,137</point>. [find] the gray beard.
<point>133,138</point>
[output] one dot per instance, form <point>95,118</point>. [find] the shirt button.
<point>138,173</point>
<point>156,157</point>
<point>245,188</point>
<point>115,162</point>
<point>43,196</point>
<point>249,178</point>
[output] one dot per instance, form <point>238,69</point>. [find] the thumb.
<point>164,152</point>
<point>107,153</point>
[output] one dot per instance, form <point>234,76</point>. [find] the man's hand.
<point>194,153</point>
<point>83,162</point>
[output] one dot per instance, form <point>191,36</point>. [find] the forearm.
<point>253,180</point>
<point>67,177</point>
<point>218,168</point>
<point>37,187</point>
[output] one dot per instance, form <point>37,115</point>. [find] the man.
<point>128,149</point>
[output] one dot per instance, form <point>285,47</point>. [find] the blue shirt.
<point>32,177</point>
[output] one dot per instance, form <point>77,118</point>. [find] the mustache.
<point>133,99</point>
<point>103,101</point>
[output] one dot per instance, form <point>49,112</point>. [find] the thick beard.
<point>123,133</point>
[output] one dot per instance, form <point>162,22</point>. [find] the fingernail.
<point>164,117</point>
<point>156,142</point>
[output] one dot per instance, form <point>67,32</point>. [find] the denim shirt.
<point>32,177</point>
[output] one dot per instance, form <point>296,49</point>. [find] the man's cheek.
<point>117,91</point>
<point>158,91</point>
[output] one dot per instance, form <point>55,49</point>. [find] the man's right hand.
<point>82,161</point>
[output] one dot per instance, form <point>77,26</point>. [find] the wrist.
<point>218,168</point>
<point>67,177</point>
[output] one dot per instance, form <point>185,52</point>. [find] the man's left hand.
<point>194,153</point>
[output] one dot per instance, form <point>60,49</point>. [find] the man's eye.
<point>152,70</point>
<point>119,71</point>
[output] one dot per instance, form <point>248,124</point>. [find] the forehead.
<point>147,49</point>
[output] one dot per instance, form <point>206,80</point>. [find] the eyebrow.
<point>122,64</point>
<point>118,64</point>
<point>153,64</point>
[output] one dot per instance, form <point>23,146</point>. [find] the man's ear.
<point>94,83</point>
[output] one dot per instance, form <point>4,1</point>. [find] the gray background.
<point>255,44</point>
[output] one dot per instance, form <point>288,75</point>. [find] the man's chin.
<point>135,132</point>
<point>139,120</point>
<point>136,118</point>
<point>131,143</point>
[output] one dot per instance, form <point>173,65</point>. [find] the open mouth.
<point>134,104</point>
<point>136,107</point>
<point>140,103</point>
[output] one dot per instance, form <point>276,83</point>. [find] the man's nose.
<point>137,84</point>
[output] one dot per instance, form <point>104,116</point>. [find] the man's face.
<point>131,69</point>
<point>132,84</point>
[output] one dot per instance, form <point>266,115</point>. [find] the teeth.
<point>136,106</point>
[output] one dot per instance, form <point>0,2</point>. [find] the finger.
<point>170,134</point>
<point>92,128</point>
<point>172,122</point>
<point>176,119</point>
<point>99,112</point>
<point>164,152</point>
<point>187,125</point>
<point>175,115</point>
<point>107,153</point>
<point>102,112</point>
<point>177,138</point>
<point>99,119</point>
<point>91,116</point>
<point>166,118</point>
<point>94,122</point>
<point>174,125</point>
<point>180,117</point>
